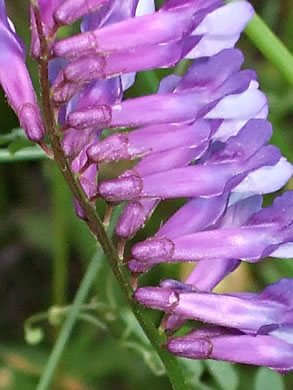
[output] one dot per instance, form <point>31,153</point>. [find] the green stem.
<point>152,80</point>
<point>271,47</point>
<point>93,321</point>
<point>60,250</point>
<point>70,321</point>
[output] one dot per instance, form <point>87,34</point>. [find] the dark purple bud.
<point>156,249</point>
<point>63,93</point>
<point>85,69</point>
<point>75,140</point>
<point>155,296</point>
<point>83,119</point>
<point>100,93</point>
<point>198,348</point>
<point>128,187</point>
<point>78,210</point>
<point>88,181</point>
<point>88,178</point>
<point>137,267</point>
<point>111,149</point>
<point>133,217</point>
<point>31,121</point>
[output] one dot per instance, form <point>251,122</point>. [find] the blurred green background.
<point>44,250</point>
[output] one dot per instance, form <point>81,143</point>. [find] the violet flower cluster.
<point>203,136</point>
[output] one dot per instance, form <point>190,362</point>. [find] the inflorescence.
<point>202,137</point>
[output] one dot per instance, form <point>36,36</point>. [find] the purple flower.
<point>273,349</point>
<point>245,326</point>
<point>222,172</point>
<point>119,51</point>
<point>114,42</point>
<point>155,139</point>
<point>80,89</point>
<point>251,313</point>
<point>175,22</point>
<point>85,67</point>
<point>15,79</point>
<point>266,233</point>
<point>229,94</point>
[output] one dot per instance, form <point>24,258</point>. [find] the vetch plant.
<point>203,136</point>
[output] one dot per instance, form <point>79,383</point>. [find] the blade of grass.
<point>267,42</point>
<point>70,321</point>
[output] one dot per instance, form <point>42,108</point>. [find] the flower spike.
<point>203,136</point>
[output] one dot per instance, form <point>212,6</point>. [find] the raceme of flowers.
<point>203,136</point>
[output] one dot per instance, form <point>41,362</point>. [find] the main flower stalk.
<point>95,224</point>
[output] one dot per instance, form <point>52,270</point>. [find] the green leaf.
<point>192,371</point>
<point>15,134</point>
<point>19,144</point>
<point>269,380</point>
<point>30,153</point>
<point>203,386</point>
<point>18,147</point>
<point>224,374</point>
